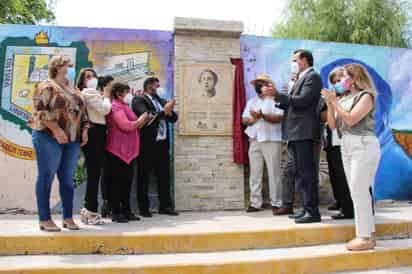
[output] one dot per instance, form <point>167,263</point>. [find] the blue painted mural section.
<point>392,77</point>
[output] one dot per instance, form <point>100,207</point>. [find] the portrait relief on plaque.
<point>206,92</point>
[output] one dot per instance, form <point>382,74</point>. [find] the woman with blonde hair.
<point>355,121</point>
<point>59,124</point>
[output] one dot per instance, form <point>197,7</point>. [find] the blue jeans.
<point>54,158</point>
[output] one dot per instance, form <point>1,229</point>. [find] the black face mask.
<point>258,88</point>
<point>150,90</point>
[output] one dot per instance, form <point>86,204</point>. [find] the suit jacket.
<point>302,121</point>
<point>148,133</point>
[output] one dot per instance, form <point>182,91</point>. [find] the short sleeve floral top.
<point>62,104</point>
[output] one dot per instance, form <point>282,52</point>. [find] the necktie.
<point>161,131</point>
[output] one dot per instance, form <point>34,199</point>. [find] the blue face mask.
<point>338,88</point>
<point>71,74</point>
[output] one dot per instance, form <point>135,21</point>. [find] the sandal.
<point>49,226</point>
<point>90,218</point>
<point>70,224</point>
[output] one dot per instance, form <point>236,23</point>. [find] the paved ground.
<point>201,222</point>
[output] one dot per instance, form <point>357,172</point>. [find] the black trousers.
<point>307,179</point>
<point>289,177</point>
<point>154,159</point>
<point>288,182</point>
<point>120,178</point>
<point>104,180</point>
<point>338,181</point>
<point>94,153</point>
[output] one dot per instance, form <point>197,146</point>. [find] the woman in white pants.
<point>354,117</point>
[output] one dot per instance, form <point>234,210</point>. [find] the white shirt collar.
<point>304,72</point>
<point>151,97</point>
<point>148,95</point>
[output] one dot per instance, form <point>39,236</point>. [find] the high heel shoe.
<point>49,226</point>
<point>90,218</point>
<point>70,224</point>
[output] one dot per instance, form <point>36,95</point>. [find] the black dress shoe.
<point>307,218</point>
<point>131,217</point>
<point>119,218</point>
<point>251,209</point>
<point>146,214</point>
<point>168,211</point>
<point>341,216</point>
<point>334,206</point>
<point>297,215</point>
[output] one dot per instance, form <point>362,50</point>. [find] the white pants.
<point>360,156</point>
<point>270,153</point>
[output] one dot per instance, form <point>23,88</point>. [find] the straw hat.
<point>263,78</point>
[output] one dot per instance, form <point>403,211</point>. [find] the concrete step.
<point>393,270</point>
<point>308,260</point>
<point>191,232</point>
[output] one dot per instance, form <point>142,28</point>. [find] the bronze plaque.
<point>207,94</point>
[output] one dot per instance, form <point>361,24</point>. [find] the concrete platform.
<point>310,260</point>
<point>206,243</point>
<point>193,232</point>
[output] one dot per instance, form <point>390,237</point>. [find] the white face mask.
<point>290,85</point>
<point>294,68</point>
<point>92,83</point>
<point>128,99</point>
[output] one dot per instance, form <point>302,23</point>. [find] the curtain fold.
<point>240,141</point>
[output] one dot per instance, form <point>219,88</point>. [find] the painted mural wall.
<point>128,55</point>
<point>392,76</point>
<point>132,55</point>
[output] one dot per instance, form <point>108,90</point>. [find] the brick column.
<point>205,176</point>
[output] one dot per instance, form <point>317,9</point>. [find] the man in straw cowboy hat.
<point>263,121</point>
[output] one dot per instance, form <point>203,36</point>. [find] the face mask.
<point>161,92</point>
<point>338,88</point>
<point>290,85</point>
<point>346,84</point>
<point>294,68</point>
<point>258,89</point>
<point>92,83</point>
<point>70,74</point>
<point>128,99</point>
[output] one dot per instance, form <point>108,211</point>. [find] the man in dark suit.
<point>301,129</point>
<point>154,147</point>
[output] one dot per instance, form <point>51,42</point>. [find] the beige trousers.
<point>360,156</point>
<point>269,153</point>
